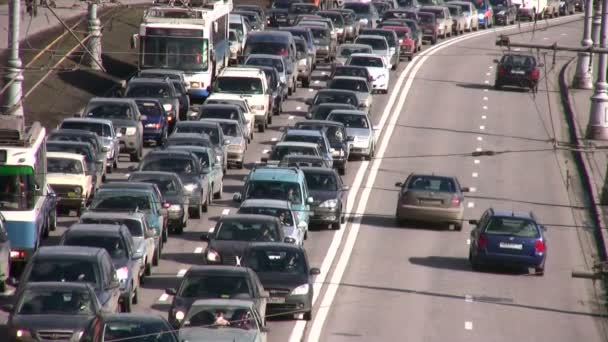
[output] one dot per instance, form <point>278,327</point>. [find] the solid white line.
<point>163,297</point>
<point>468,325</point>
<point>181,272</point>
<point>198,250</point>
<point>468,298</point>
<point>475,174</point>
<point>225,212</point>
<point>471,205</point>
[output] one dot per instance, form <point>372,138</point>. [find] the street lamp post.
<point>11,104</point>
<point>598,123</point>
<point>583,76</point>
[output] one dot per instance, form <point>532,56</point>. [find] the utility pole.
<point>94,42</point>
<point>597,22</point>
<point>583,76</point>
<point>598,122</point>
<point>11,104</point>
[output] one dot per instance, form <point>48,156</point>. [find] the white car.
<point>377,67</point>
<point>68,175</point>
<point>221,98</point>
<point>379,46</point>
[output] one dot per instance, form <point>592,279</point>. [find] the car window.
<point>219,113</point>
<point>136,331</point>
<point>166,185</point>
<point>135,226</point>
<point>63,270</point>
<point>431,183</point>
<point>373,62</point>
<point>274,190</point>
<point>102,130</point>
<point>214,286</point>
<point>211,131</point>
<point>335,98</point>
<point>518,61</point>
<point>511,226</point>
<point>260,61</point>
<point>280,152</point>
<point>207,316</point>
<point>55,302</point>
<point>110,111</point>
<point>177,165</point>
<point>85,151</point>
<point>230,129</point>
<point>349,84</point>
<point>351,71</point>
<point>113,244</point>
<point>110,200</point>
<point>350,120</point>
<point>321,181</point>
<point>427,18</point>
<point>358,8</point>
<point>239,85</point>
<point>376,44</point>
<point>283,215</point>
<point>148,90</point>
<point>246,231</point>
<point>276,261</point>
<point>63,165</point>
<point>266,48</point>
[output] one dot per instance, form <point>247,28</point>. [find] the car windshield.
<point>346,51</point>
<point>209,130</point>
<point>266,48</point>
<point>373,62</point>
<point>56,302</point>
<point>102,130</point>
<point>239,103</point>
<point>324,181</point>
<point>432,183</point>
<point>177,165</point>
<point>351,120</point>
<point>61,165</point>
<point>110,111</point>
<point>148,90</point>
<point>149,109</point>
<point>321,112</point>
<point>454,10</point>
<point>243,230</point>
<point>276,261</point>
<point>359,8</point>
<point>304,138</point>
<point>214,286</point>
<point>376,44</point>
<point>110,200</point>
<point>335,98</point>
<point>350,84</point>
<point>113,244</point>
<point>203,157</point>
<point>302,9</point>
<point>261,61</point>
<point>231,129</point>
<point>143,331</point>
<point>406,3</point>
<point>427,18</point>
<point>166,185</point>
<point>438,13</point>
<point>286,191</point>
<point>63,270</point>
<point>239,85</point>
<point>280,152</point>
<point>283,215</point>
<point>59,136</point>
<point>82,150</point>
<point>512,226</point>
<point>351,71</point>
<point>135,226</point>
<point>299,161</point>
<point>402,34</point>
<point>207,317</point>
<point>187,141</point>
<point>380,7</point>
<point>319,34</point>
<point>336,19</point>
<point>219,113</point>
<point>518,61</point>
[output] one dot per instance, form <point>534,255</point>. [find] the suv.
<point>249,83</point>
<point>443,19</point>
<point>161,88</point>
<point>127,121</point>
<point>275,183</point>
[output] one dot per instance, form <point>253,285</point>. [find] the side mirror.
<point>398,184</point>
<point>132,168</point>
<point>310,200</point>
<point>170,291</point>
<point>350,138</point>
<point>541,65</point>
<point>496,61</point>
<point>237,197</point>
<point>205,236</point>
<point>309,102</point>
<point>314,271</point>
<point>473,222</point>
<point>302,225</point>
<point>143,118</point>
<point>137,255</point>
<point>8,308</point>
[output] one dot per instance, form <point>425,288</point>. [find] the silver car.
<point>235,141</point>
<point>359,85</point>
<point>305,62</point>
<point>345,50</point>
<point>379,46</point>
<point>295,231</point>
<point>361,136</point>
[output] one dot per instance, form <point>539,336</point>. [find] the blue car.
<point>508,238</point>
<point>156,125</point>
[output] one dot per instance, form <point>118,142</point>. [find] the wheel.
<point>135,296</point>
<point>194,212</point>
<point>156,257</point>
<point>179,229</point>
<point>2,286</point>
<point>497,86</point>
<point>53,225</point>
<point>160,141</point>
<point>270,119</point>
<point>147,269</point>
<point>289,91</point>
<point>306,82</point>
<point>126,306</point>
<point>218,195</point>
<point>240,166</point>
<point>394,66</point>
<point>539,271</point>
<point>261,128</point>
<point>474,264</point>
<point>136,156</point>
<point>308,315</point>
<point>205,206</point>
<point>458,226</point>
<point>335,226</point>
<point>109,169</point>
<point>434,41</point>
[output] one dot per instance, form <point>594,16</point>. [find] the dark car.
<point>517,70</point>
<point>208,282</point>
<point>162,89</point>
<point>338,20</point>
<point>129,327</point>
<point>508,238</point>
<point>336,134</point>
<point>505,11</point>
<point>332,95</point>
<point>415,29</point>
<point>277,17</point>
<point>414,4</point>
<point>321,111</point>
<point>232,233</point>
<point>351,70</point>
<point>430,26</point>
<point>174,198</point>
<point>211,129</point>
<point>400,13</point>
<point>286,274</point>
<point>47,311</point>
<point>276,87</point>
<point>76,264</point>
<point>158,124</point>
<point>326,187</point>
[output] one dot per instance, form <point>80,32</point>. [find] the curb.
<point>583,162</point>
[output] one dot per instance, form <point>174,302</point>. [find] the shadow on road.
<point>92,82</point>
<point>183,258</point>
<point>161,281</point>
<point>441,262</point>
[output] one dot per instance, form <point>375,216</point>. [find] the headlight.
<point>258,107</point>
<point>131,131</point>
<point>332,203</point>
<point>179,315</point>
<point>289,239</point>
<point>501,13</point>
<point>213,256</point>
<point>23,333</point>
<point>234,147</point>
<point>300,290</point>
<point>122,273</point>
<point>168,107</point>
<point>480,16</point>
<point>175,207</point>
<point>78,190</point>
<point>191,187</point>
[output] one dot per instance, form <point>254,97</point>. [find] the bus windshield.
<point>172,52</point>
<point>17,188</point>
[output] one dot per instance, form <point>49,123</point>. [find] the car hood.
<point>229,247</point>
<point>376,71</point>
<point>51,322</point>
<point>361,96</point>
<point>227,334</point>
<point>358,132</point>
<point>321,196</point>
<point>281,280</point>
<point>64,178</point>
<point>235,140</point>
<point>173,199</point>
<point>189,179</point>
<point>123,123</point>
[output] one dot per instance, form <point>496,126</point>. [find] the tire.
<point>126,306</point>
<point>179,229</point>
<point>147,269</point>
<point>109,169</point>
<point>474,264</point>
<point>289,91</point>
<point>135,296</point>
<point>539,271</point>
<point>156,257</point>
<point>335,226</point>
<point>3,286</point>
<point>160,141</point>
<point>218,195</point>
<point>53,224</point>
<point>433,40</point>
<point>306,82</point>
<point>270,119</point>
<point>194,212</point>
<point>458,226</point>
<point>308,315</point>
<point>205,206</point>
<point>240,166</point>
<point>261,128</point>
<point>136,156</point>
<point>342,171</point>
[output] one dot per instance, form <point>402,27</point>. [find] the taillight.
<point>455,201</point>
<point>539,246</point>
<point>17,254</point>
<point>482,242</point>
<point>534,74</point>
<point>502,71</point>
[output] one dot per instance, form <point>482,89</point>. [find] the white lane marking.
<point>310,90</point>
<point>486,82</point>
<point>468,325</point>
<point>545,38</point>
<point>516,49</point>
<point>485,90</point>
<point>564,34</point>
<point>475,174</point>
<point>316,81</point>
<point>483,117</point>
<point>265,151</point>
<point>181,272</point>
<point>482,127</point>
<point>479,149</point>
<point>491,67</point>
<point>298,108</point>
<point>323,73</point>
<point>274,139</point>
<point>468,298</point>
<point>484,107</point>
<point>468,241</point>
<point>163,297</point>
<point>472,189</point>
<point>479,138</point>
<point>476,161</point>
<point>319,319</point>
<point>471,205</point>
<point>225,212</point>
<point>198,250</point>
<point>291,117</point>
<point>485,98</point>
<point>487,74</point>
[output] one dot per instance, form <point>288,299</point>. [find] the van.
<point>250,84</point>
<point>278,43</point>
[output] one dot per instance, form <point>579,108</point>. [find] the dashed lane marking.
<point>483,117</point>
<point>468,298</point>
<point>225,212</point>
<point>479,149</point>
<point>471,205</point>
<point>482,127</point>
<point>476,161</point>
<point>475,174</point>
<point>485,90</point>
<point>198,250</point>
<point>479,138</point>
<point>468,325</point>
<point>298,108</point>
<point>487,74</point>
<point>274,139</point>
<point>163,297</point>
<point>468,241</point>
<point>485,107</point>
<point>291,117</point>
<point>491,67</point>
<point>472,189</point>
<point>486,82</point>
<point>485,98</point>
<point>181,273</point>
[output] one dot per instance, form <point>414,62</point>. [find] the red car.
<point>408,45</point>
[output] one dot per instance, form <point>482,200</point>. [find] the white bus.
<point>192,38</point>
<point>26,202</point>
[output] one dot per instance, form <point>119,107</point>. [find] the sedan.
<point>377,68</point>
<point>330,194</point>
<point>359,85</point>
<point>361,135</point>
<point>380,47</point>
<point>235,140</point>
<point>130,327</point>
<point>517,70</point>
<point>295,231</point>
<point>508,238</point>
<point>334,96</point>
<point>431,198</point>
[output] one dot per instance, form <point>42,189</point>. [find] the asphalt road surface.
<point>379,281</point>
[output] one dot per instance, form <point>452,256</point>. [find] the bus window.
<point>17,188</point>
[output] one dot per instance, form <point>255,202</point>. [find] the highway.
<point>381,282</point>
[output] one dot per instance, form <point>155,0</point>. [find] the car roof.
<point>302,157</point>
<point>432,7</point>
<point>368,55</point>
<point>272,34</point>
<point>348,112</point>
<point>304,132</point>
<point>296,144</point>
<point>132,317</point>
<point>146,80</point>
<point>248,217</point>
<point>128,185</point>
<point>263,55</point>
<point>189,148</point>
<point>121,215</point>
<point>371,36</point>
<point>79,252</point>
<point>167,153</point>
<point>352,78</point>
<point>353,45</point>
<point>235,122</point>
<point>115,100</point>
<point>162,71</point>
<point>65,155</point>
<point>332,105</point>
<point>317,169</point>
<point>72,132</point>
<point>275,246</point>
<point>338,91</point>
<point>320,123</point>
<point>221,105</point>
<point>265,203</point>
<point>218,302</point>
<point>217,269</point>
<point>155,173</point>
<point>512,213</point>
<point>200,123</point>
<point>282,174</point>
<point>92,120</point>
<point>188,136</point>
<point>95,229</point>
<point>56,285</point>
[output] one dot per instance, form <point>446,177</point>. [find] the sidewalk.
<point>594,164</point>
<point>65,9</point>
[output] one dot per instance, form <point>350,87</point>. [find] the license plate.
<point>518,72</point>
<point>507,245</point>
<point>276,300</point>
<point>72,195</point>
<point>430,202</point>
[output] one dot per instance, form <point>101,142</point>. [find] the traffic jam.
<point>186,137</point>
